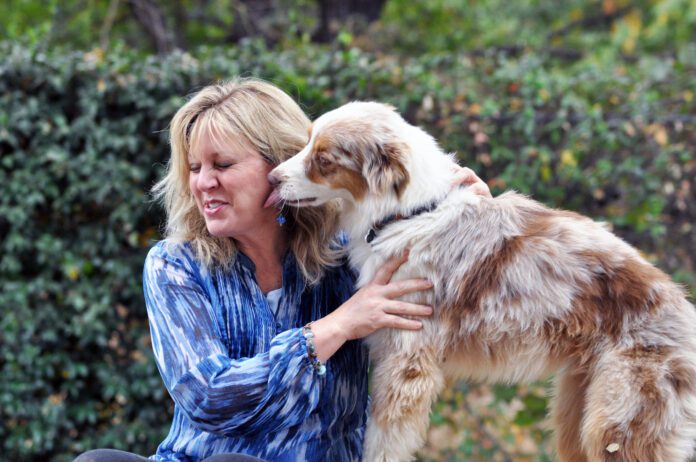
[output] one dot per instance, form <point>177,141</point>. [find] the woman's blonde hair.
<point>270,121</point>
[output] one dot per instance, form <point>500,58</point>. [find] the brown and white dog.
<point>520,291</point>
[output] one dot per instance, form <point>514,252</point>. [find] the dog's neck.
<point>430,180</point>
<point>376,227</point>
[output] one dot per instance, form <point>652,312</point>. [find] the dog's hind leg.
<point>567,407</point>
<point>404,386</point>
<point>641,406</point>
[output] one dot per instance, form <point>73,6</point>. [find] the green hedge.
<point>83,138</point>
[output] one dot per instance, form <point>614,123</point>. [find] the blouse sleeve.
<point>268,392</point>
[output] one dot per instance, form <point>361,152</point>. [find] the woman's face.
<point>230,185</point>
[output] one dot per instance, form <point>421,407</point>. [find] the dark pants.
<point>113,455</point>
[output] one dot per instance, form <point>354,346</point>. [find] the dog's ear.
<point>385,167</point>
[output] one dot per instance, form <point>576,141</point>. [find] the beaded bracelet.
<point>312,351</point>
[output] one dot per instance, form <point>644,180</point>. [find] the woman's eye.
<point>223,166</point>
<point>195,168</point>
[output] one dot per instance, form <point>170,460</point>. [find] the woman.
<point>253,325</point>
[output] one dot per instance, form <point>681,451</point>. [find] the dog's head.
<point>353,152</point>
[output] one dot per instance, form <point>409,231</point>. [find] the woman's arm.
<point>270,391</point>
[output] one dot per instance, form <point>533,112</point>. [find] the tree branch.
<point>108,24</point>
<point>151,19</point>
<point>602,18</point>
<point>515,50</point>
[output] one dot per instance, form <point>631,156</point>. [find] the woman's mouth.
<point>212,207</point>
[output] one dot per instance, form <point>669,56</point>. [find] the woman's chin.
<point>215,230</point>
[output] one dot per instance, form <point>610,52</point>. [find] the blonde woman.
<point>254,323</point>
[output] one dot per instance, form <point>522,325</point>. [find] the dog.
<point>521,291</point>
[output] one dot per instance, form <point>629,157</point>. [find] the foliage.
<point>626,27</point>
<point>146,24</point>
<point>83,137</point>
<point>571,28</point>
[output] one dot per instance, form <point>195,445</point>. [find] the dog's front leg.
<point>404,386</point>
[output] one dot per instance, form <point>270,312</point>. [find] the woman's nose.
<point>207,179</point>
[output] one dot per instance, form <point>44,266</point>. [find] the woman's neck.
<point>266,249</point>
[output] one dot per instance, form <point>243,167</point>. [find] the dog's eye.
<point>323,162</point>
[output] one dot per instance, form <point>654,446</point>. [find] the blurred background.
<point>587,105</point>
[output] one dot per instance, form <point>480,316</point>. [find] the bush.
<point>83,137</point>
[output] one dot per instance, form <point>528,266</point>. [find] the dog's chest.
<point>366,262</point>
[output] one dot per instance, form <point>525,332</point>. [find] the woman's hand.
<point>375,306</point>
<point>464,176</point>
<point>371,308</point>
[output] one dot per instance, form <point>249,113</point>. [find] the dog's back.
<point>520,291</point>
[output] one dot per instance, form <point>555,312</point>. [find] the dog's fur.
<point>520,291</point>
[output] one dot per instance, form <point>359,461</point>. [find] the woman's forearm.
<point>328,337</point>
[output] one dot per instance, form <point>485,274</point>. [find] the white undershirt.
<point>273,299</point>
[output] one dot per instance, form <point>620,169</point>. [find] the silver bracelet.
<point>312,350</point>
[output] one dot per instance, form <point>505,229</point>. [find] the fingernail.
<point>406,252</point>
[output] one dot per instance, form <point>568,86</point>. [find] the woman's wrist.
<point>328,337</point>
<point>317,365</point>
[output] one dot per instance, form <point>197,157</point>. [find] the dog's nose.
<point>273,179</point>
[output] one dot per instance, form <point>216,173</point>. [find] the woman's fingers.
<point>406,286</point>
<point>397,322</point>
<point>481,189</point>
<point>385,273</point>
<point>464,176</point>
<point>394,310</point>
<point>408,309</point>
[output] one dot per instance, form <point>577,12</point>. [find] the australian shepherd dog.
<point>521,291</point>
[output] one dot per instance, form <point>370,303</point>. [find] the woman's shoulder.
<point>179,253</point>
<point>170,248</point>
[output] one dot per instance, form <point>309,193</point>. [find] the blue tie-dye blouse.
<point>240,376</point>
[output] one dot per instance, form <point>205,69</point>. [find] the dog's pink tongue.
<point>273,199</point>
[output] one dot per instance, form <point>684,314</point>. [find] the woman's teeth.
<point>214,205</point>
